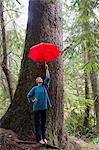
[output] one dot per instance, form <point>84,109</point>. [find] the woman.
<point>41,103</point>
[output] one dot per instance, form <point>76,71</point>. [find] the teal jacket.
<point>42,100</point>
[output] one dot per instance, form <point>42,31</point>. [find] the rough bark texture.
<point>44,24</point>
<point>87,109</point>
<point>95,89</point>
<point>87,94</point>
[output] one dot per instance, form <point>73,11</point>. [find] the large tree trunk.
<point>44,24</point>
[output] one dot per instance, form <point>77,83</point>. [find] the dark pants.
<point>40,121</point>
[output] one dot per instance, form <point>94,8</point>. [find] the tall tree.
<point>83,38</point>
<point>5,55</point>
<point>44,24</point>
<point>87,94</point>
<point>89,43</point>
<point>95,89</point>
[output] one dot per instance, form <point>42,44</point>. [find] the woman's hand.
<point>46,66</point>
<point>47,71</point>
<point>33,100</point>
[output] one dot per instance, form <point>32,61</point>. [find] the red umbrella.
<point>44,52</point>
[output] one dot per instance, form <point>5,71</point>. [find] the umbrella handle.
<point>46,65</point>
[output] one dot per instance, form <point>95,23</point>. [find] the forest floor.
<point>84,144</point>
<point>10,141</point>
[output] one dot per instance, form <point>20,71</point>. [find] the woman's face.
<point>39,80</point>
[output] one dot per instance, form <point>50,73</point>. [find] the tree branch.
<point>18,2</point>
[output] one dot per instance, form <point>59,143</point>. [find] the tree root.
<point>9,141</point>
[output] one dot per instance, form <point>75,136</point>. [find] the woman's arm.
<point>30,95</point>
<point>47,71</point>
<point>47,79</point>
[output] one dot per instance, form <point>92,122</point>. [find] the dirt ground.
<point>10,141</point>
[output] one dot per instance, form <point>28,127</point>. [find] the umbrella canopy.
<point>44,52</point>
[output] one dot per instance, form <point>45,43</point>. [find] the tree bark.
<point>87,109</point>
<point>87,93</point>
<point>94,77</point>
<point>44,25</point>
<point>95,88</point>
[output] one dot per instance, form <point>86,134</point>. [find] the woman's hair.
<point>36,80</point>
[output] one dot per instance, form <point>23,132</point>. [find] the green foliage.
<point>91,66</point>
<point>75,113</point>
<point>15,42</point>
<point>95,141</point>
<point>83,32</point>
<point>80,38</point>
<point>75,102</point>
<point>4,102</point>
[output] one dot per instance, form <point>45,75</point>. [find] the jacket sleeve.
<point>46,82</point>
<point>30,95</point>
